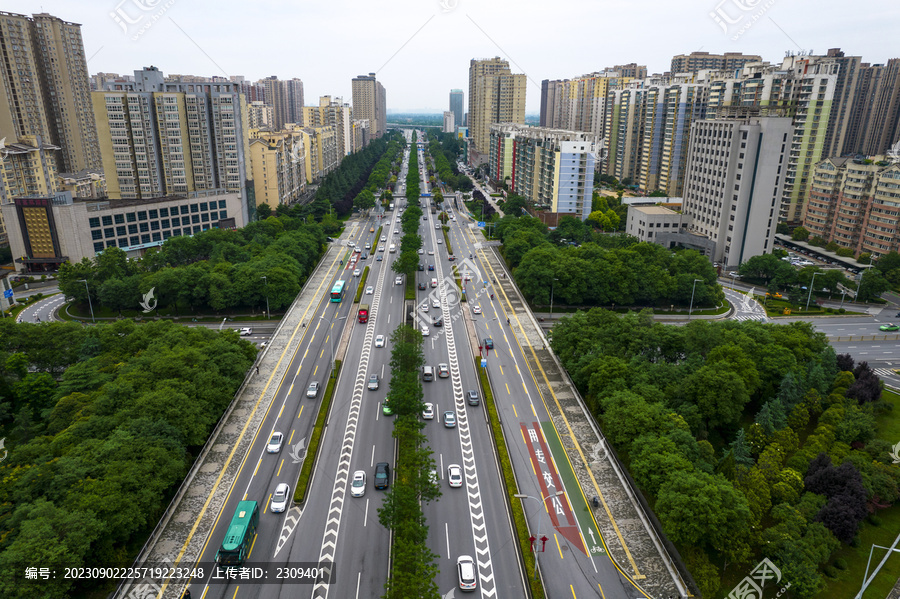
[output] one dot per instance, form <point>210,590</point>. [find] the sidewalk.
<point>631,539</point>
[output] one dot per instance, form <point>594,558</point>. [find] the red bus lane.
<point>557,507</point>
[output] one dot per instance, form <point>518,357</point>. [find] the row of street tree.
<point>750,440</point>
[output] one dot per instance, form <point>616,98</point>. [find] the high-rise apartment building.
<point>278,161</point>
<point>449,122</point>
<point>456,106</point>
<point>699,61</point>
<point>162,137</point>
<point>496,95</point>
<point>853,203</point>
<point>875,119</point>
<point>370,102</point>
<point>631,70</point>
<point>551,168</point>
<point>286,99</point>
<point>579,104</point>
<point>260,116</point>
<point>736,171</point>
<point>802,86</point>
<point>333,113</point>
<point>45,87</point>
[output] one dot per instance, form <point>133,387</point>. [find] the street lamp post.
<point>331,337</point>
<point>811,287</point>
<point>90,305</point>
<point>843,292</point>
<point>693,288</point>
<point>268,313</point>
<point>540,516</point>
<point>551,298</point>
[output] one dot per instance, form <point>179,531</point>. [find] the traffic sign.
<point>483,363</point>
<point>481,223</point>
<point>8,293</point>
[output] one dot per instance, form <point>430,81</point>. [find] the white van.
<point>393,249</point>
<point>433,283</point>
<point>427,373</point>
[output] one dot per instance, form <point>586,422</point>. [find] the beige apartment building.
<point>496,95</point>
<point>370,103</point>
<point>332,112</point>
<point>27,168</point>
<point>46,90</point>
<point>278,162</point>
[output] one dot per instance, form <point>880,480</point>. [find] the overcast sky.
<point>421,49</point>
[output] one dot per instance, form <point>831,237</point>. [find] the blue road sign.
<point>483,363</point>
<point>481,223</point>
<point>8,293</point>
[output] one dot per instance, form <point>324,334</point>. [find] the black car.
<point>422,286</point>
<point>421,267</point>
<point>488,343</point>
<point>472,397</point>
<point>382,475</point>
<point>438,322</point>
<point>431,267</point>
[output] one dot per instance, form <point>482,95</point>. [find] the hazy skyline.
<point>420,50</point>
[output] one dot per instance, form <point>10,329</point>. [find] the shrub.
<point>840,563</point>
<point>841,310</point>
<point>830,571</point>
<point>873,520</point>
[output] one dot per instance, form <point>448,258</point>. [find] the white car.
<point>275,442</point>
<point>424,307</point>
<point>428,412</point>
<point>370,290</point>
<point>476,309</point>
<point>384,238</point>
<point>431,252</point>
<point>358,486</point>
<point>439,240</point>
<point>379,341</point>
<point>281,497</point>
<point>398,280</point>
<point>357,249</point>
<point>356,272</point>
<point>435,303</point>
<point>246,331</point>
<point>425,331</point>
<point>421,251</point>
<point>454,476</point>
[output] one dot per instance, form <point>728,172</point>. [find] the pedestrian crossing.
<point>885,372</point>
<point>759,317</point>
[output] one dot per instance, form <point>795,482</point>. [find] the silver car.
<point>281,497</point>
<point>275,442</point>
<point>313,389</point>
<point>358,485</point>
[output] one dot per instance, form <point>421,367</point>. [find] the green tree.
<point>872,285</point>
<point>800,234</point>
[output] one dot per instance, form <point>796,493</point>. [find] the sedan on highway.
<point>488,343</point>
<point>425,332</point>
<point>476,309</point>
<point>443,371</point>
<point>382,475</point>
<point>357,272</point>
<point>450,419</point>
<point>889,327</point>
<point>428,412</point>
<point>313,389</point>
<point>421,251</point>
<point>373,382</point>
<point>454,475</point>
<point>379,341</point>
<point>431,252</point>
<point>246,331</point>
<point>281,497</point>
<point>275,442</point>
<point>358,486</point>
<point>370,290</point>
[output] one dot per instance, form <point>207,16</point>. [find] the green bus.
<point>337,292</point>
<point>240,534</point>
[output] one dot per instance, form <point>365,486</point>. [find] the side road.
<point>627,526</point>
<point>181,533</point>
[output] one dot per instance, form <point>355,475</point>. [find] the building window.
<point>145,239</point>
<point>132,229</point>
<point>164,212</point>
<point>193,208</point>
<point>96,234</point>
<point>134,240</point>
<point>185,220</point>
<point>165,223</point>
<point>94,222</point>
<point>131,217</point>
<point>221,204</point>
<point>185,209</point>
<point>119,218</point>
<point>157,237</point>
<point>195,218</point>
<point>98,247</point>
